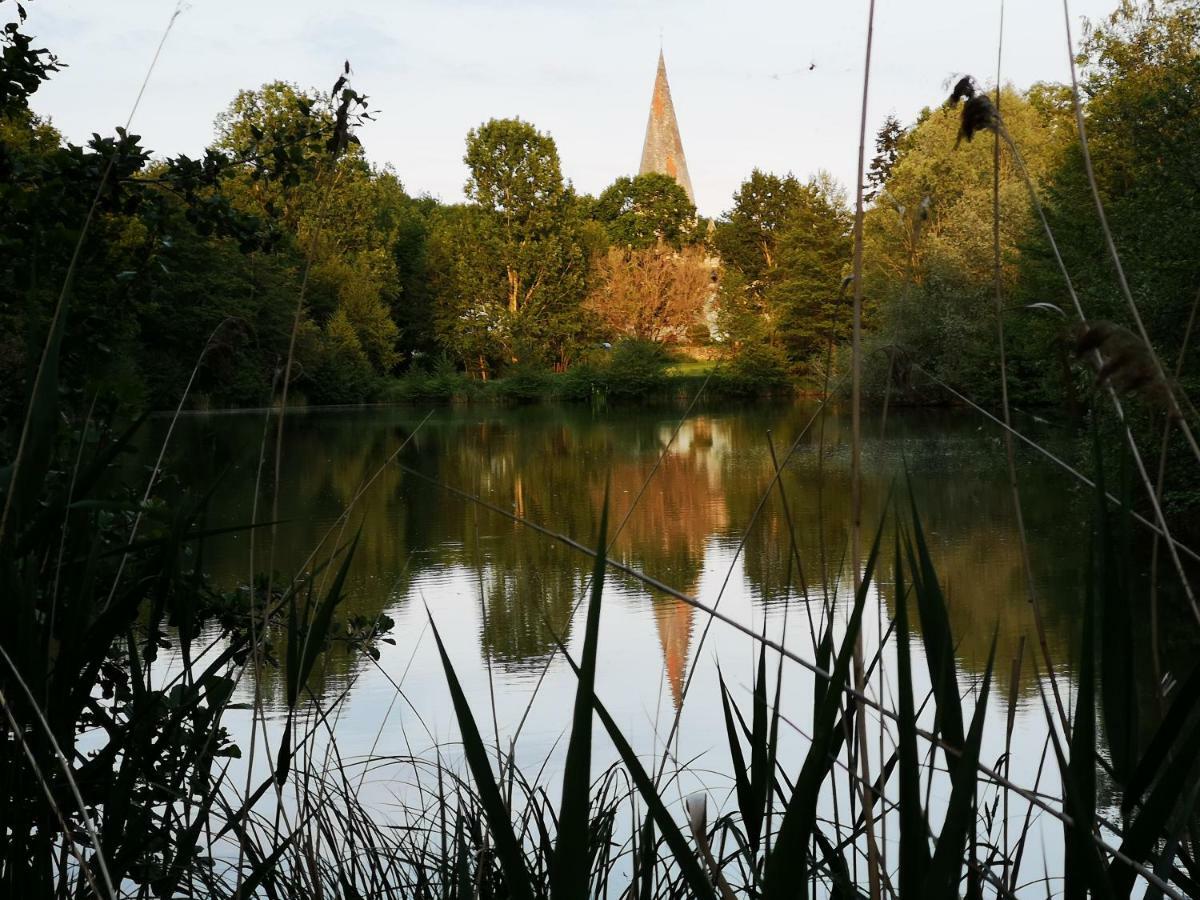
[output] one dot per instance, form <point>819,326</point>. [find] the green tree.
<point>783,248</point>
<point>928,271</point>
<point>748,235</point>
<point>887,150</point>
<point>343,220</point>
<point>638,212</point>
<point>813,253</point>
<point>514,269</point>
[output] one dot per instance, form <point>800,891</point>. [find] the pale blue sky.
<point>583,71</point>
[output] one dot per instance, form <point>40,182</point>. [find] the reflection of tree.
<point>966,512</point>
<point>550,465</point>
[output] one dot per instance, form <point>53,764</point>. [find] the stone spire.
<point>663,150</point>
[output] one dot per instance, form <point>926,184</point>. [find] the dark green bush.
<point>756,369</point>
<point>637,370</point>
<point>524,384</point>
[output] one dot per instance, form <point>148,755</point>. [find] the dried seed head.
<point>979,114</point>
<point>1120,359</point>
<point>964,90</point>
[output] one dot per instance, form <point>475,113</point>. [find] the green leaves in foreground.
<point>570,866</point>
<point>508,847</point>
<point>914,829</point>
<point>786,873</point>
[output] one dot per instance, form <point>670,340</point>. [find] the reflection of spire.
<point>674,620</point>
<point>663,150</point>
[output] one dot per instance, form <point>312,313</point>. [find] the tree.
<point>929,271</point>
<point>516,177</point>
<point>784,246</point>
<point>343,219</point>
<point>513,268</point>
<point>814,251</point>
<point>887,150</point>
<point>747,236</point>
<point>639,212</point>
<point>651,294</point>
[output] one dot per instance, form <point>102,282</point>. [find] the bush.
<point>582,383</point>
<point>523,384</point>
<point>636,370</point>
<point>757,368</point>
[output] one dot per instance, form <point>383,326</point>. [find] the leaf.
<point>569,866</point>
<point>689,866</point>
<point>1165,739</point>
<point>914,843</point>
<point>1118,690</point>
<point>945,869</point>
<point>318,629</point>
<point>751,818</point>
<point>1079,780</point>
<point>786,872</point>
<point>938,640</point>
<point>508,848</point>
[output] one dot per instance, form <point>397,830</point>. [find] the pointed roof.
<point>674,620</point>
<point>663,149</point>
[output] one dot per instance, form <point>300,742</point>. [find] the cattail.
<point>1120,358</point>
<point>964,90</point>
<point>978,112</point>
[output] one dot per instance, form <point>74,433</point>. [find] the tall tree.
<point>516,177</point>
<point>783,247</point>
<point>887,150</point>
<point>515,267</point>
<point>748,235</point>
<point>639,212</point>
<point>928,269</point>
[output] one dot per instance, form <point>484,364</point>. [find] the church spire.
<point>663,150</point>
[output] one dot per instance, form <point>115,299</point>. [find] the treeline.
<point>282,242</point>
<point>929,251</point>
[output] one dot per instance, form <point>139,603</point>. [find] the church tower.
<point>663,150</point>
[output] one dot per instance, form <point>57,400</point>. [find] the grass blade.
<point>914,843</point>
<point>1079,779</point>
<point>508,848</point>
<point>937,637</point>
<point>569,867</point>
<point>786,870</point>
<point>745,792</point>
<point>689,866</point>
<point>945,869</point>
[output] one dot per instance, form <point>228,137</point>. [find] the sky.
<point>770,84</point>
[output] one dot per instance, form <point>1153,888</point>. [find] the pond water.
<point>695,508</point>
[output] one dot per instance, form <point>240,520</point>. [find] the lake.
<point>691,504</point>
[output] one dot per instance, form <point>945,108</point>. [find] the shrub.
<point>636,370</point>
<point>757,368</point>
<point>523,384</point>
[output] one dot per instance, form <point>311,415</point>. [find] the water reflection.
<point>551,466</point>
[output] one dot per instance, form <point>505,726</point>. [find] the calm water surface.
<point>500,593</point>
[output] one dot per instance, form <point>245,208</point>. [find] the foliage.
<point>929,261</point>
<point>23,67</point>
<point>755,369</point>
<point>784,247</point>
<point>637,369</point>
<point>511,270</point>
<point>640,212</point>
<point>887,151</point>
<point>651,294</point>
